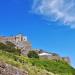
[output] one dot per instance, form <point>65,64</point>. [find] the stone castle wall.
<point>20,41</point>
<point>13,38</point>
<point>51,56</point>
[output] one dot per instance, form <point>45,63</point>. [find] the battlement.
<point>17,38</point>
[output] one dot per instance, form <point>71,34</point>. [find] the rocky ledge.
<point>6,69</point>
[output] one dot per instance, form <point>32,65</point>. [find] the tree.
<point>32,54</point>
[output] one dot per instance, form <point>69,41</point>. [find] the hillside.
<point>14,63</point>
<point>36,66</point>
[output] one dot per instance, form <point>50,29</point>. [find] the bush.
<point>9,47</point>
<point>2,46</point>
<point>10,44</point>
<point>32,54</point>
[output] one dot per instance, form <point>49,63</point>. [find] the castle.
<point>20,41</point>
<point>51,56</point>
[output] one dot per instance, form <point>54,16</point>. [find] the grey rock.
<point>6,69</point>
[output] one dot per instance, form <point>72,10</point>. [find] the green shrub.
<point>10,44</point>
<point>2,46</point>
<point>33,54</point>
<point>9,47</point>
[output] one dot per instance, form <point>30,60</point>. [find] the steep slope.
<point>29,66</point>
<point>6,69</point>
<point>13,63</point>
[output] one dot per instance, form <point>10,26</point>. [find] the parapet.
<point>16,38</point>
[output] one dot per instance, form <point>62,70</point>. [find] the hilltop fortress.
<point>20,41</point>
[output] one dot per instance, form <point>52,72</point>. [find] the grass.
<point>37,66</point>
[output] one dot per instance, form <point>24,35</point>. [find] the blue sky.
<point>45,28</point>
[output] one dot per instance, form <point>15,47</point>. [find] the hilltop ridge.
<point>13,62</point>
<point>22,43</point>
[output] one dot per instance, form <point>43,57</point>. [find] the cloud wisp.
<point>63,10</point>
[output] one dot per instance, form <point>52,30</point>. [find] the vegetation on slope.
<point>9,47</point>
<point>33,54</point>
<point>22,63</point>
<point>36,66</point>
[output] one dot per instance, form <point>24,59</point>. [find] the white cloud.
<point>55,10</point>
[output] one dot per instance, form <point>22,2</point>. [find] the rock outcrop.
<point>6,69</point>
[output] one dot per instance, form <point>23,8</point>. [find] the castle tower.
<point>20,38</point>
